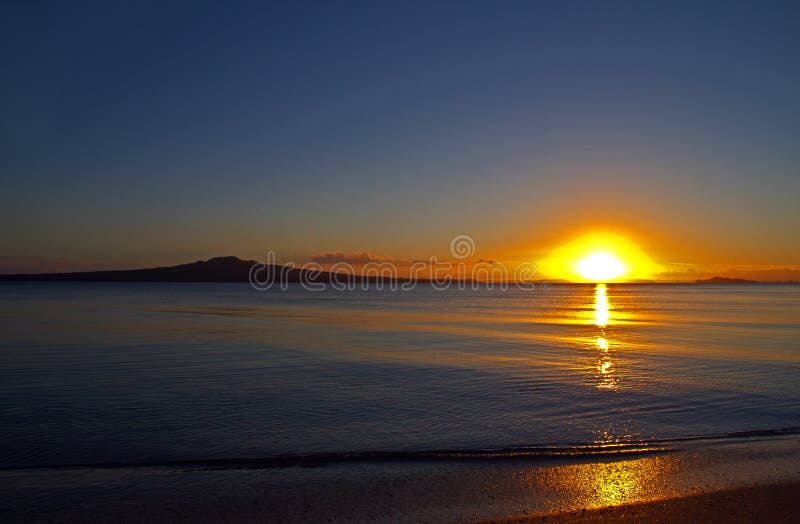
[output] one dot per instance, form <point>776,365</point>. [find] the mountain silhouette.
<point>218,269</point>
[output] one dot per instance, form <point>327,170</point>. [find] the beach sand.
<point>752,504</point>
<point>756,480</point>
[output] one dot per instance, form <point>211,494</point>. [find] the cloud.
<point>356,257</point>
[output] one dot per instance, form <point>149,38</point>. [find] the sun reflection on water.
<point>601,308</point>
<point>604,369</point>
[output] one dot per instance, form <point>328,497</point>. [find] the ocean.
<point>115,374</point>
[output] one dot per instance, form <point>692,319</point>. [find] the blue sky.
<point>138,133</point>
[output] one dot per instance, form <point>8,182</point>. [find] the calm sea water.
<point>126,373</point>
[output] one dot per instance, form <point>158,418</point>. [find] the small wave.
<point>732,435</point>
<point>597,450</point>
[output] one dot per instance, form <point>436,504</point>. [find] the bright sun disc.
<point>599,257</point>
<point>600,267</point>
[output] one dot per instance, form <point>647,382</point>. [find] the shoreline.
<point>755,480</point>
<point>778,502</point>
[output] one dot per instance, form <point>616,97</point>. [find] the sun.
<point>599,257</point>
<point>600,267</point>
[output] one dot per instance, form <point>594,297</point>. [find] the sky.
<point>151,133</point>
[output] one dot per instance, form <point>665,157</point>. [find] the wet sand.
<point>752,504</point>
<point>739,481</point>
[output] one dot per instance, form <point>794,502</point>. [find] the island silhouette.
<point>217,269</point>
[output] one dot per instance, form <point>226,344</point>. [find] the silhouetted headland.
<point>218,269</point>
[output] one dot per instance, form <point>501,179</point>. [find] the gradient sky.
<point>138,134</point>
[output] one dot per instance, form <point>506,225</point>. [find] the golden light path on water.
<point>602,315</point>
<point>615,482</point>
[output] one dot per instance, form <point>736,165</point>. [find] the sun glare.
<point>600,267</point>
<point>599,257</point>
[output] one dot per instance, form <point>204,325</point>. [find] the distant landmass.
<point>725,280</point>
<point>218,269</point>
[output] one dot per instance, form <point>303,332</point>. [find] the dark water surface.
<point>162,373</point>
